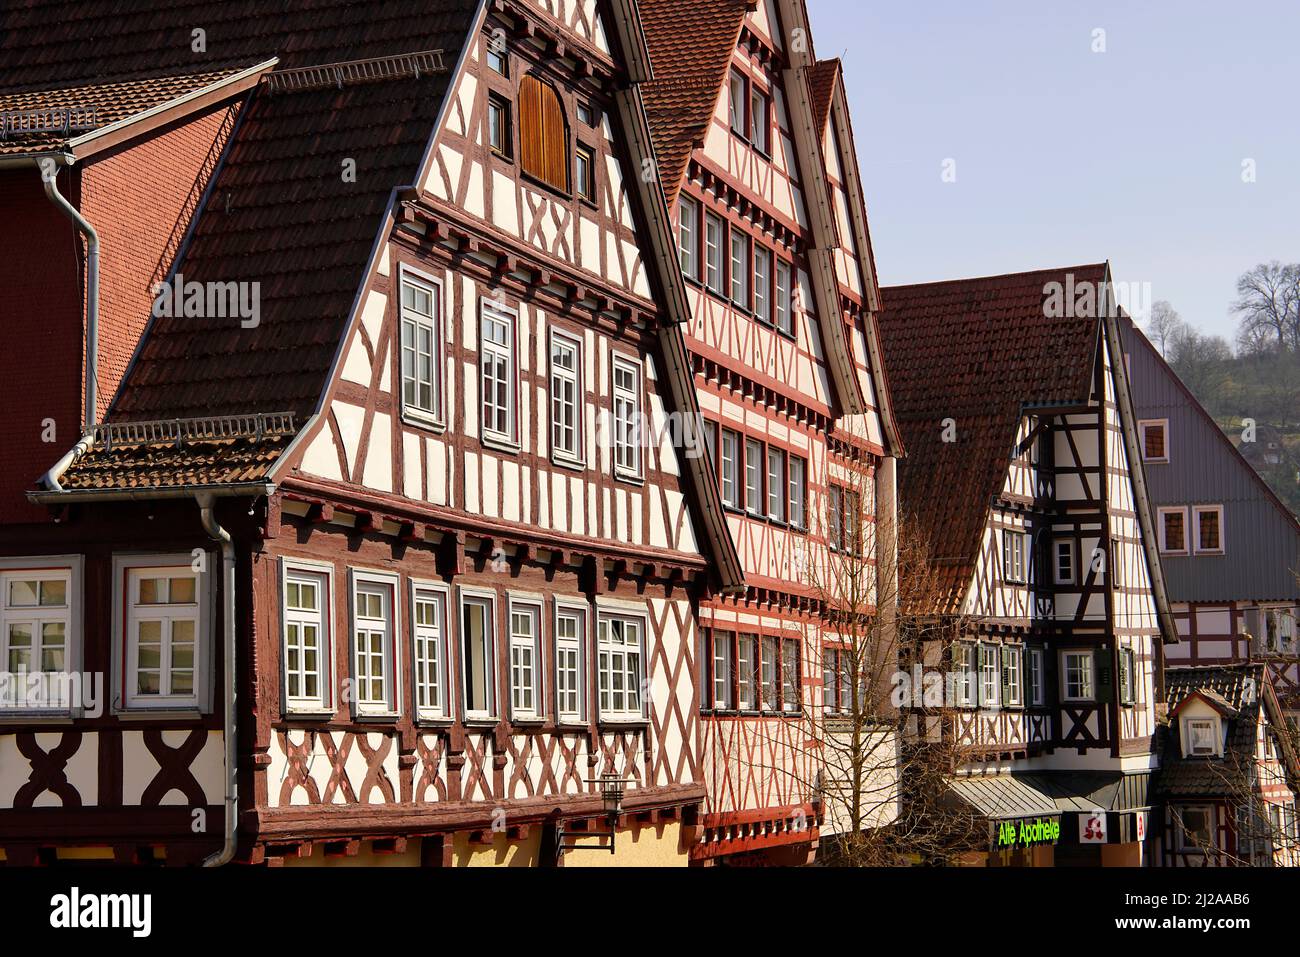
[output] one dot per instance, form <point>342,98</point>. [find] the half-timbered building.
<point>1229,546</point>
<point>1228,773</point>
<point>756,158</point>
<point>400,563</point>
<point>1015,409</point>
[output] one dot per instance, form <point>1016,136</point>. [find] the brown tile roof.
<point>279,212</point>
<point>976,351</point>
<point>690,49</point>
<point>100,103</point>
<point>163,465</point>
<point>822,77</point>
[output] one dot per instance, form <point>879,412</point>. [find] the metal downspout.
<point>213,528</point>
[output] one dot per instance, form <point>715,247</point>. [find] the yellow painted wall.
<point>502,852</point>
<point>638,846</point>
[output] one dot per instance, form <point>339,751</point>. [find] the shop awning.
<point>1003,797</point>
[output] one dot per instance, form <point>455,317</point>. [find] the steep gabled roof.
<point>690,46</point>
<point>978,352</point>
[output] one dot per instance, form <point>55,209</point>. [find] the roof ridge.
<point>1007,275</point>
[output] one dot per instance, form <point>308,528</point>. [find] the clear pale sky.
<point>1067,156</point>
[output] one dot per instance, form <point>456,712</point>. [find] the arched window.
<point>543,133</point>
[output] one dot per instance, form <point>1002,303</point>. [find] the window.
<point>737,103</point>
<point>747,673</point>
<point>1127,676</point>
<point>776,485</point>
<point>1155,444</point>
<point>1209,529</point>
<point>790,675</point>
<point>730,468</point>
<point>165,636</point>
<point>619,666</point>
<point>1037,684</point>
<point>1077,676</point>
<point>754,476</point>
<point>421,355</point>
<point>1195,825</point>
<point>570,664</point>
<point>306,639</point>
<point>627,418</point>
<point>722,669</point>
<point>1202,736</point>
<point>759,120</point>
<point>740,268</point>
<point>1173,530</point>
<point>429,652</point>
<point>1063,561</point>
<point>1012,676</point>
<point>713,273</point>
<point>497,354</point>
<point>478,656</point>
<point>688,217</point>
<point>835,533</point>
<point>763,284</point>
<point>1013,557</point>
<point>798,492</point>
<point>584,172</point>
<point>40,624</point>
<point>964,665</point>
<point>768,674</point>
<point>784,299</point>
<point>846,532</point>
<point>497,58</point>
<point>543,134</point>
<point>566,397</point>
<point>374,659</point>
<point>586,114</point>
<point>837,687</point>
<point>498,120</point>
<point>988,676</point>
<point>525,661</point>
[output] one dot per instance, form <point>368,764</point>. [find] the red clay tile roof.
<point>690,49</point>
<point>822,76</point>
<point>106,103</point>
<point>976,351</point>
<point>163,465</point>
<point>279,212</point>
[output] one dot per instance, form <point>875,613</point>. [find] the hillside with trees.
<point>1254,380</point>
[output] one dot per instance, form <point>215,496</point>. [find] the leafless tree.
<point>1268,306</point>
<point>1162,325</point>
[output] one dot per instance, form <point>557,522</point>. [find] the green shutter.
<point>1103,675</point>
<point>1006,651</point>
<point>1123,676</point>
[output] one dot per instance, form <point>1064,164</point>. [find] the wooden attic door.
<point>543,134</point>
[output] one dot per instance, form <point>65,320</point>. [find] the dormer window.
<point>1202,737</point>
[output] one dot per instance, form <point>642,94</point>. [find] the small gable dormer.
<point>1201,722</point>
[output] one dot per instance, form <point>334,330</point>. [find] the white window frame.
<point>1187,532</point>
<point>1089,677</point>
<point>321,575</point>
<point>778,483</point>
<point>688,239</point>
<point>1065,573</point>
<point>988,676</point>
<point>733,475</point>
<point>578,645</point>
<point>754,503</point>
<point>61,697</point>
<point>762,285</point>
<point>1037,695</point>
<point>966,666</point>
<point>386,585</point>
<point>1197,511</point>
<point>559,377</point>
<point>722,669</point>
<point>507,353</point>
<point>524,657</point>
<point>791,678</point>
<point>1212,725</point>
<point>488,600</point>
<point>1013,664</point>
<point>747,676</point>
<point>626,409</point>
<point>1015,564</point>
<point>426,674</point>
<point>798,491</point>
<point>715,251</point>
<point>740,267</point>
<point>607,651</point>
<point>1142,439</point>
<point>126,570</point>
<point>783,305</point>
<point>434,326</point>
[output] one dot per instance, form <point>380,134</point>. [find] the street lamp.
<point>612,789</point>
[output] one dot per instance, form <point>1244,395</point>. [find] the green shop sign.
<point>1026,832</point>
